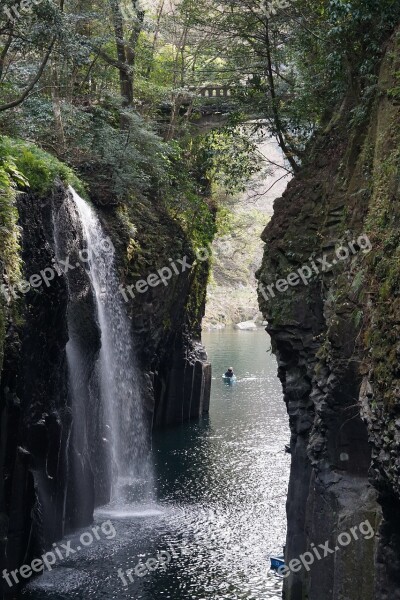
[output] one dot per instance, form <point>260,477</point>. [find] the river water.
<point>219,500</point>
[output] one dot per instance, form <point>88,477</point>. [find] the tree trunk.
<point>125,75</point>
<point>280,132</point>
<point>155,38</point>
<point>55,99</point>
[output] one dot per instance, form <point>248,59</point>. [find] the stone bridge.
<point>212,91</point>
<point>212,105</point>
<point>208,105</point>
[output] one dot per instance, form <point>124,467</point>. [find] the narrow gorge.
<point>199,300</point>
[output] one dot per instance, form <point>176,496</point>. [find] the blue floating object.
<point>277,562</point>
<point>229,380</point>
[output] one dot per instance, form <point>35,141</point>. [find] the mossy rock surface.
<point>23,168</point>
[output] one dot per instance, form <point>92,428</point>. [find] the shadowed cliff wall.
<point>336,341</point>
<point>39,497</point>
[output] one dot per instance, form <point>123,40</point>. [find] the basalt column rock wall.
<point>336,339</point>
<point>35,415</point>
<point>50,473</point>
<point>166,318</point>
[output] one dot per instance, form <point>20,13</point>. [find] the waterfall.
<point>115,382</point>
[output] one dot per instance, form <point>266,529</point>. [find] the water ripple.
<point>220,511</point>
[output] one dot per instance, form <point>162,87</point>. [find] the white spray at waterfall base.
<point>116,369</point>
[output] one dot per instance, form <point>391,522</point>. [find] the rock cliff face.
<point>166,319</point>
<point>35,417</point>
<point>335,335</point>
<point>41,461</point>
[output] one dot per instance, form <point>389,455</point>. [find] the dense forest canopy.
<point>112,86</point>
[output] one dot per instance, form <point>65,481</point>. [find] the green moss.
<point>10,262</point>
<point>39,168</point>
<point>194,308</point>
<point>382,226</point>
<point>23,166</point>
<point>281,311</point>
<point>9,233</point>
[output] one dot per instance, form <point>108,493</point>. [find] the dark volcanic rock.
<point>54,453</point>
<point>336,341</point>
<point>36,418</point>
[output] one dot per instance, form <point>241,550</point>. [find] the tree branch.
<point>4,53</point>
<point>274,102</point>
<point>34,81</point>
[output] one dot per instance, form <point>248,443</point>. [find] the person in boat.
<point>229,372</point>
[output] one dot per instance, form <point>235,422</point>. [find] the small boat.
<point>229,380</point>
<point>277,562</point>
<point>288,449</point>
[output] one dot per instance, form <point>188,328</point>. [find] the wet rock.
<point>246,326</point>
<point>50,457</point>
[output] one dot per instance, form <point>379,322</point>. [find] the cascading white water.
<point>116,368</point>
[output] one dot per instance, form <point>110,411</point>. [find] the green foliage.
<point>187,195</point>
<point>35,168</point>
<point>394,93</point>
<point>135,157</point>
<point>10,261</point>
<point>130,160</point>
<point>224,221</point>
<point>10,179</point>
<point>23,167</point>
<point>230,158</point>
<point>318,49</point>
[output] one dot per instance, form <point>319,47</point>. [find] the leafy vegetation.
<point>9,232</point>
<point>30,167</point>
<point>77,77</point>
<point>111,90</point>
<point>23,168</point>
<point>10,263</point>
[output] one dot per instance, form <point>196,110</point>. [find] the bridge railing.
<point>212,91</point>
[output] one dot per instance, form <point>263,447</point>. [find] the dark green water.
<point>220,499</point>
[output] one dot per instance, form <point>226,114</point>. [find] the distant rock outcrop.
<point>237,252</point>
<point>246,326</point>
